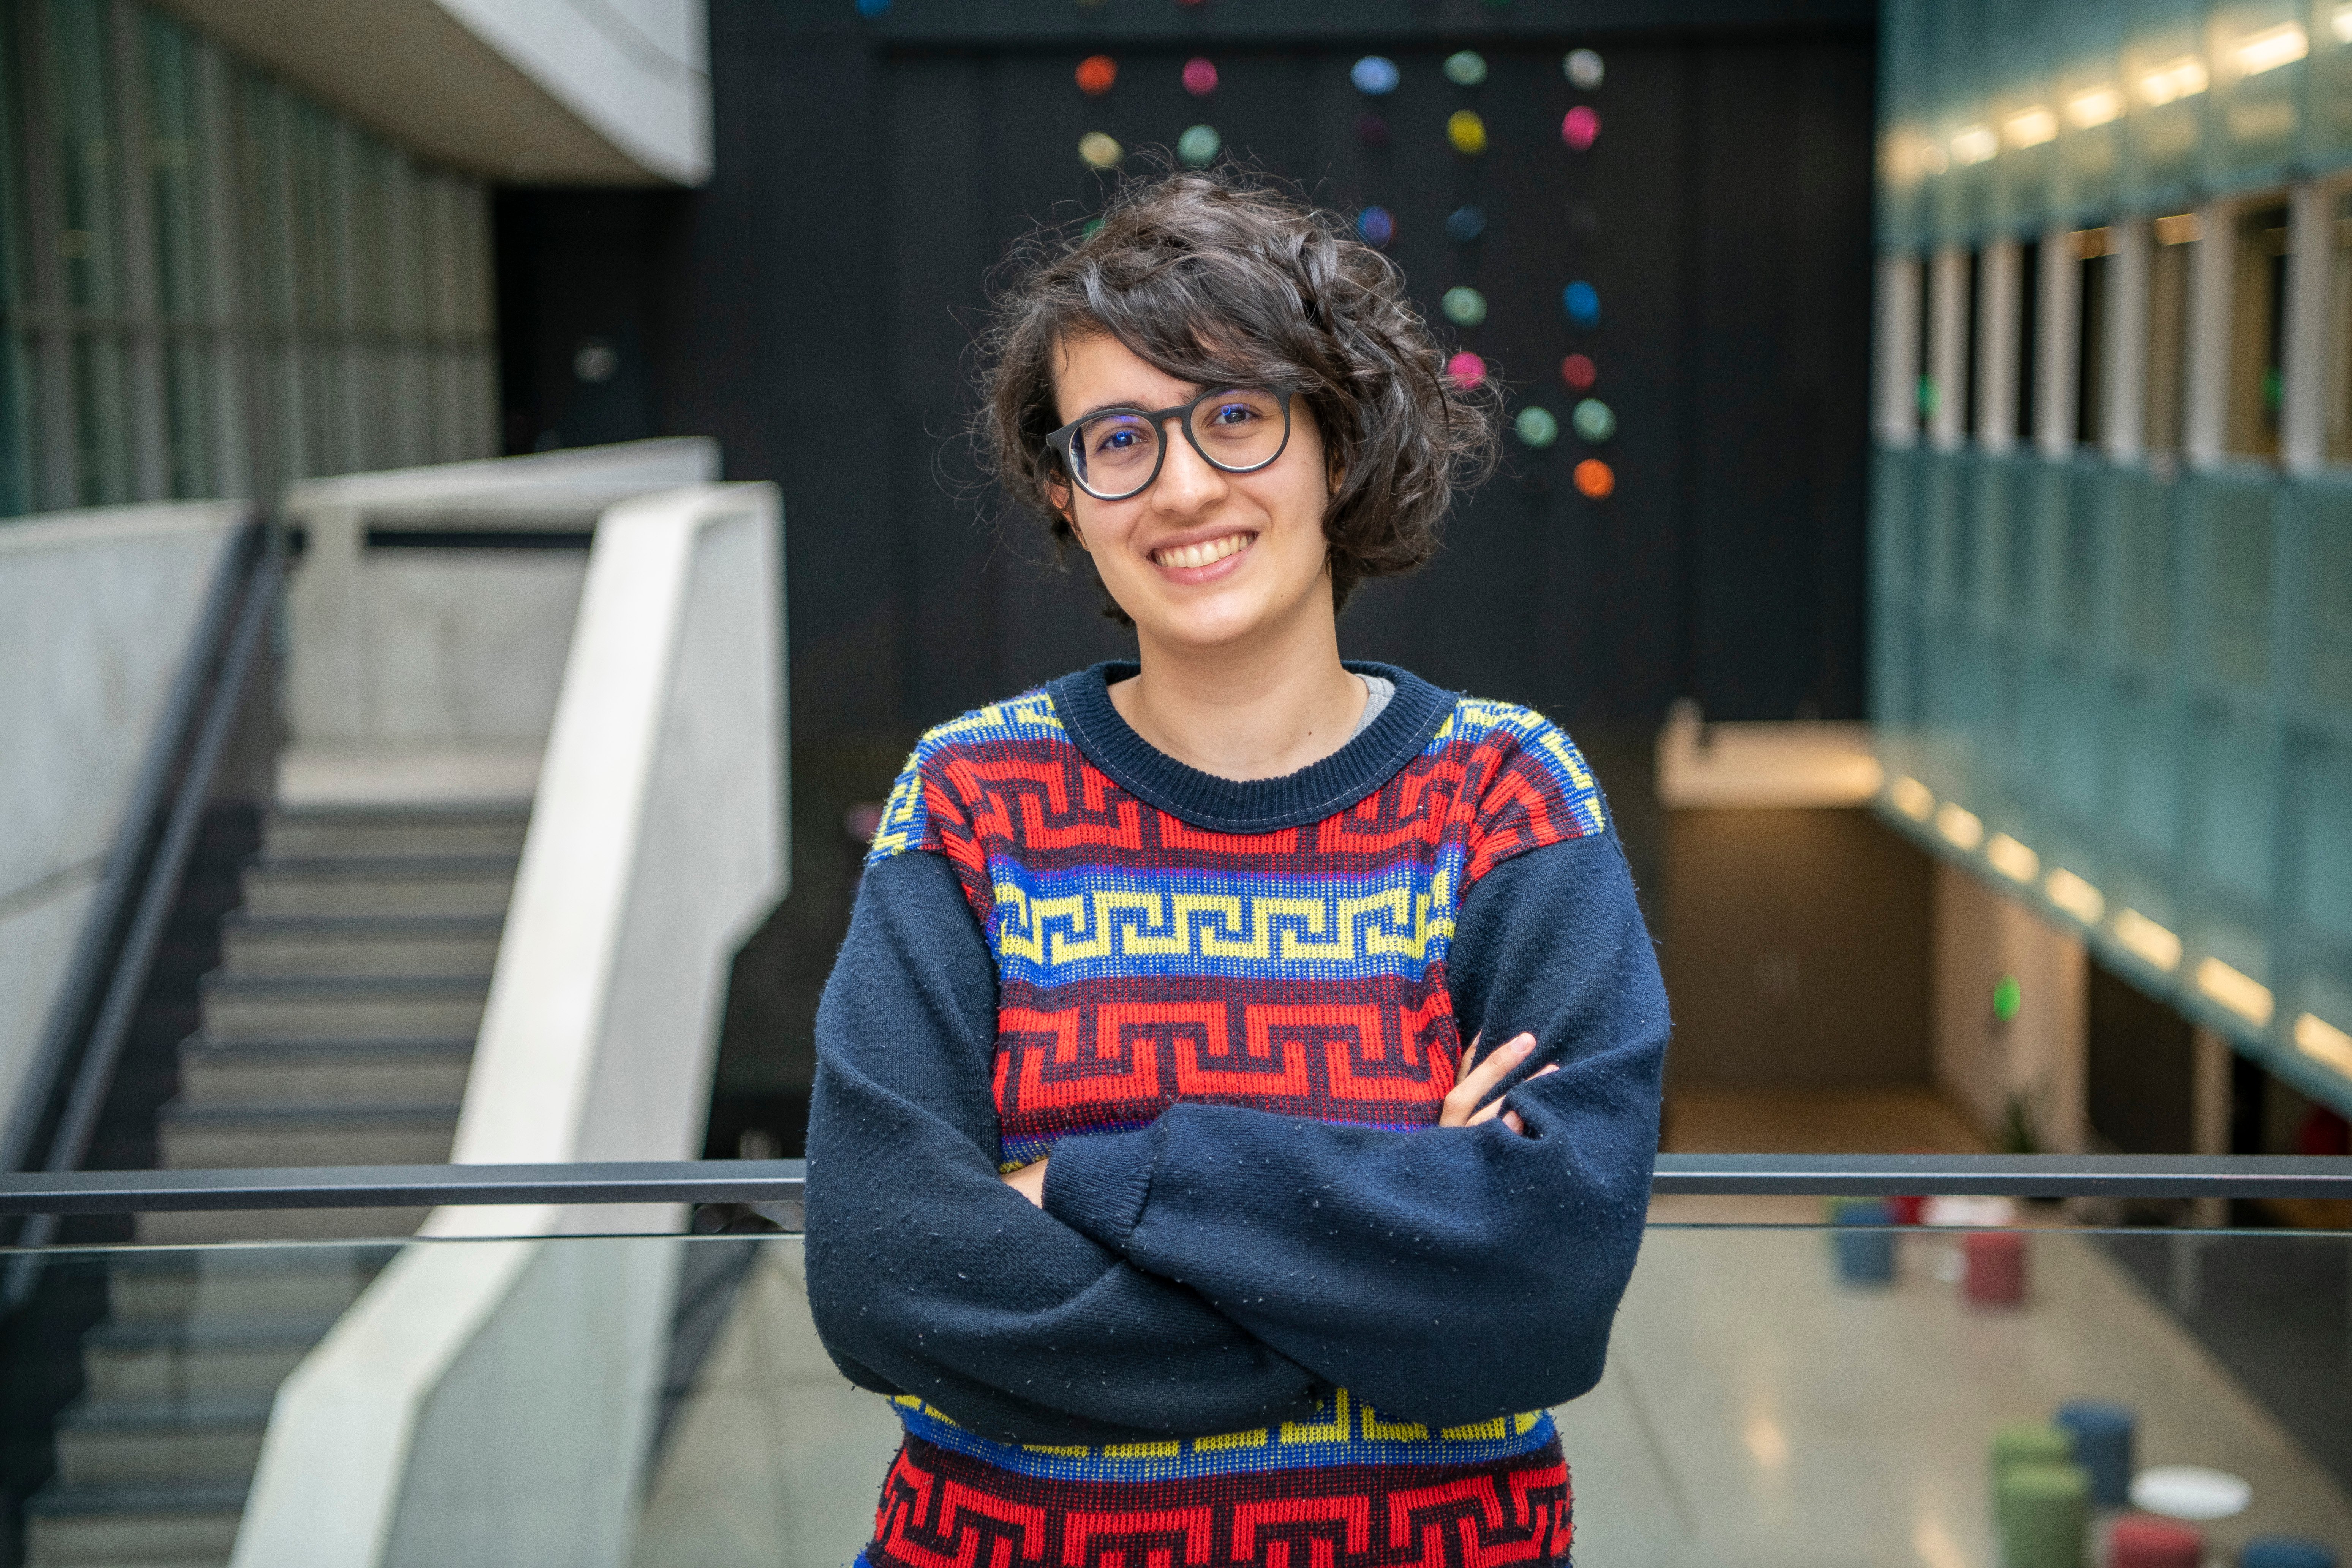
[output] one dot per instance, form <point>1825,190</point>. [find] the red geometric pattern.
<point>943,1509</point>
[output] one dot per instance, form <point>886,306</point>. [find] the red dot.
<point>1095,73</point>
<point>1595,479</point>
<point>1578,370</point>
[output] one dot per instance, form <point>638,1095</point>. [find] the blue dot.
<point>1376,75</point>
<point>1464,224</point>
<point>1377,225</point>
<point>1583,303</point>
<point>872,7</point>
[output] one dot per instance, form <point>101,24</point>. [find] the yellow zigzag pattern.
<point>1138,923</point>
<point>902,810</point>
<point>1348,1419</point>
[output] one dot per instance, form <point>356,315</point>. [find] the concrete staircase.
<point>337,1031</point>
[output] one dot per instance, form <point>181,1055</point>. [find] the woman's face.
<point>1201,559</point>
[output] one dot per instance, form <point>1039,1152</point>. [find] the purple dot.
<point>1199,76</point>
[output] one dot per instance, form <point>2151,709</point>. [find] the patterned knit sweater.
<point>1269,1314</point>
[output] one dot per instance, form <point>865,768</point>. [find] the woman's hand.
<point>1461,1106</point>
<point>1029,1181</point>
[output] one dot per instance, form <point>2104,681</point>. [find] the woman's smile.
<point>1204,560</point>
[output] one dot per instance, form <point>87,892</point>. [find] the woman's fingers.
<point>1510,1118</point>
<point>1482,1081</point>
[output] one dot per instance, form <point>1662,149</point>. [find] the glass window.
<point>2029,335</point>
<point>2258,331</point>
<point>1968,335</point>
<point>80,100</point>
<point>185,369</point>
<point>1924,350</point>
<point>2094,247</point>
<point>2339,331</point>
<point>102,450</point>
<point>2171,261</point>
<point>172,165</point>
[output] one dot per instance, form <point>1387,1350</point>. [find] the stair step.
<point>191,1442</point>
<point>394,830</point>
<point>315,1283</point>
<point>372,1008</point>
<point>201,1358</point>
<point>153,1526</point>
<point>449,945</point>
<point>212,1137</point>
<point>262,1073</point>
<point>343,886</point>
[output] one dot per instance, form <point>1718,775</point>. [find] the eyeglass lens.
<point>1116,454</point>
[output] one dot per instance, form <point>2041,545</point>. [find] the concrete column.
<point>1897,403</point>
<point>2302,444</point>
<point>2205,436</point>
<point>2041,1055</point>
<point>1948,342</point>
<point>2125,435</point>
<point>2054,355</point>
<point>1998,297</point>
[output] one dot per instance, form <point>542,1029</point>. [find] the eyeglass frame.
<point>1058,442</point>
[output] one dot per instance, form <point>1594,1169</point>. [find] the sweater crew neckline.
<point>1204,800</point>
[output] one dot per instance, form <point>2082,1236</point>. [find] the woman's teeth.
<point>1203,554</point>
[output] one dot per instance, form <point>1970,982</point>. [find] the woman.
<point>1151,1176</point>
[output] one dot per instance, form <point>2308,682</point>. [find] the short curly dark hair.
<point>1223,275</point>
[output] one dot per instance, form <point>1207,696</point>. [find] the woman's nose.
<point>1187,481</point>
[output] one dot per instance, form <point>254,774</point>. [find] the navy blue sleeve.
<point>927,1275</point>
<point>1443,1275</point>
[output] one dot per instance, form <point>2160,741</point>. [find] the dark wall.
<point>811,307</point>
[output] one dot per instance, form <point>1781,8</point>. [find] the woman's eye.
<point>1236,414</point>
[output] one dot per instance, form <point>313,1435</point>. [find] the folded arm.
<point>1445,1275</point>
<point>927,1275</point>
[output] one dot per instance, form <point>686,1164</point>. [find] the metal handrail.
<point>785,1181</point>
<point>214,707</point>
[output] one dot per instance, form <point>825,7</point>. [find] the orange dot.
<point>1595,479</point>
<point>1095,73</point>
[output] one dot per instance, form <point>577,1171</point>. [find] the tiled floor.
<point>1754,1413</point>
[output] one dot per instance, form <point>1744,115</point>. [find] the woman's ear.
<point>1065,508</point>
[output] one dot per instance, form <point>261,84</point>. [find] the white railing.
<point>490,1401</point>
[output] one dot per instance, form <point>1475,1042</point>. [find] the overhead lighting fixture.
<point>1974,145</point>
<point>2076,896</point>
<point>1912,798</point>
<point>1932,158</point>
<point>2013,860</point>
<point>2179,229</point>
<point>2241,994</point>
<point>2031,127</point>
<point>2095,106</point>
<point>2090,243</point>
<point>2341,26</point>
<point>2147,940</point>
<point>1962,827</point>
<point>2314,1036</point>
<point>2183,78</point>
<point>2270,48</point>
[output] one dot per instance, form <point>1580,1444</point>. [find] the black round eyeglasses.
<point>1115,453</point>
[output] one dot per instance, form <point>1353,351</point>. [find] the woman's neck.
<point>1258,711</point>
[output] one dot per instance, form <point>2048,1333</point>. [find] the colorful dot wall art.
<point>1377,226</point>
<point>1581,128</point>
<point>1595,420</point>
<point>1582,301</point>
<point>1375,76</point>
<point>1371,131</point>
<point>1096,75</point>
<point>1100,151</point>
<point>1467,371</point>
<point>1463,306</point>
<point>1465,224</point>
<point>1466,131</point>
<point>1198,147</point>
<point>1583,70</point>
<point>1199,76</point>
<point>1578,372</point>
<point>1595,481</point>
<point>1467,68</point>
<point>1537,427</point>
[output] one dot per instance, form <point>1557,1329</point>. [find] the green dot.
<point>2007,995</point>
<point>1467,68</point>
<point>1594,421</point>
<point>1198,145</point>
<point>1537,427</point>
<point>1463,306</point>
